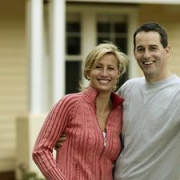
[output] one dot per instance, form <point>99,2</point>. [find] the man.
<point>151,115</point>
<point>151,112</point>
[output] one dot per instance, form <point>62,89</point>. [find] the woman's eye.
<point>111,68</point>
<point>97,67</point>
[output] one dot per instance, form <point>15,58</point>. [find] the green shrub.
<point>27,175</point>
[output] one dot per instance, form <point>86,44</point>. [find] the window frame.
<point>89,13</point>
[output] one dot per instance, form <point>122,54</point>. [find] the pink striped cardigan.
<point>84,155</point>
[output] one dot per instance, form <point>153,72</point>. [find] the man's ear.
<point>167,49</point>
<point>134,54</point>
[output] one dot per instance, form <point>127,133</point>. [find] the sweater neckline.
<point>161,82</point>
<point>91,94</point>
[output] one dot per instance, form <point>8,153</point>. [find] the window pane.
<point>123,79</point>
<point>73,34</point>
<point>122,44</point>
<point>73,27</point>
<point>103,27</point>
<point>120,27</point>
<point>73,76</point>
<point>73,45</point>
<point>103,40</point>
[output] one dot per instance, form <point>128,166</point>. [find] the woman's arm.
<point>49,134</point>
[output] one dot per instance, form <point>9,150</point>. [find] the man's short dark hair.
<point>151,26</point>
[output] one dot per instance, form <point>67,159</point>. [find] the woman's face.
<point>105,74</point>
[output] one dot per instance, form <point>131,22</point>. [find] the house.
<point>42,47</point>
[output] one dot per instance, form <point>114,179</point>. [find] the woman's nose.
<point>104,72</point>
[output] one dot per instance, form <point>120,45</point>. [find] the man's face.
<point>151,56</point>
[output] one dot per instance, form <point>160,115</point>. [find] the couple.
<point>150,132</point>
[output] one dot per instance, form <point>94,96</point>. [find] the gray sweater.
<point>151,130</point>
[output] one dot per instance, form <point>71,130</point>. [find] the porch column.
<point>35,33</point>
<point>57,44</point>
<point>28,126</point>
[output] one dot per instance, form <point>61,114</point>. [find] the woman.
<point>92,120</point>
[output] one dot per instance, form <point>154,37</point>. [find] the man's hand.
<point>60,142</point>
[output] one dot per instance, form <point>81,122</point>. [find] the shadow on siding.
<point>7,175</point>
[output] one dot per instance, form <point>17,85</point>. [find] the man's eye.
<point>153,48</point>
<point>139,49</point>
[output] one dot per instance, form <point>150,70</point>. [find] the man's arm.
<point>60,141</point>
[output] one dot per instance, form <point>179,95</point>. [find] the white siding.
<point>13,78</point>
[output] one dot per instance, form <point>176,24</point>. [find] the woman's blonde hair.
<point>98,52</point>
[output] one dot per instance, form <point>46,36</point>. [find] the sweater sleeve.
<point>53,127</point>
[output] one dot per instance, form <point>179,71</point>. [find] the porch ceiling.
<point>131,1</point>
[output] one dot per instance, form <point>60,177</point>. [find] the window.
<point>73,34</point>
<point>73,76</point>
<point>73,52</point>
<point>113,27</point>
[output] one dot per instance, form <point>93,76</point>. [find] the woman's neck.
<point>103,103</point>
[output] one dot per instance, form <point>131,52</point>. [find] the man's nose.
<point>146,54</point>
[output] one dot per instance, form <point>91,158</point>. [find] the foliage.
<point>26,175</point>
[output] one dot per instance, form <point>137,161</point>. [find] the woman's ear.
<point>119,74</point>
<point>88,76</point>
